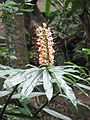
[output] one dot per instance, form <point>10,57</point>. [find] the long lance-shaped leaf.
<point>9,72</point>
<point>67,89</point>
<point>28,72</point>
<point>70,70</point>
<point>76,77</point>
<point>48,87</point>
<point>14,80</point>
<point>56,114</point>
<point>32,95</point>
<point>5,70</point>
<point>18,76</point>
<point>66,69</point>
<point>4,93</point>
<point>4,67</point>
<point>31,83</point>
<point>83,86</point>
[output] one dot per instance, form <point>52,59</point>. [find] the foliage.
<point>4,52</point>
<point>10,8</point>
<point>48,6</point>
<point>27,80</point>
<point>67,24</point>
<point>56,114</point>
<point>87,51</point>
<point>65,20</point>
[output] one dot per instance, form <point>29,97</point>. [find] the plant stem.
<point>7,102</point>
<point>42,106</point>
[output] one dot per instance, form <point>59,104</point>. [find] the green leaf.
<point>27,0</point>
<point>56,114</point>
<point>83,86</point>
<point>62,95</point>
<point>14,79</point>
<point>47,8</point>
<point>31,66</point>
<point>9,2</point>
<point>70,70</point>
<point>25,109</point>
<point>26,10</point>
<point>4,67</point>
<point>17,114</point>
<point>48,87</point>
<point>67,89</point>
<point>7,73</point>
<point>31,83</point>
<point>4,93</point>
<point>4,72</point>
<point>16,96</point>
<point>58,70</point>
<point>67,2</point>
<point>77,77</point>
<point>32,95</point>
<point>17,76</point>
<point>87,51</point>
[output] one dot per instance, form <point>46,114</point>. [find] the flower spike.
<point>45,45</point>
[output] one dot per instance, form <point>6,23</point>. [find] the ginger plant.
<point>24,81</point>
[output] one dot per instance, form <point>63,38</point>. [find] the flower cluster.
<point>45,45</point>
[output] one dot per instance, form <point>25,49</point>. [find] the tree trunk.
<point>17,42</point>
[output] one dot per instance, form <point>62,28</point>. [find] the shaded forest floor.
<point>65,107</point>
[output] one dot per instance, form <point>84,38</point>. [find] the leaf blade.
<point>48,87</point>
<point>56,114</point>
